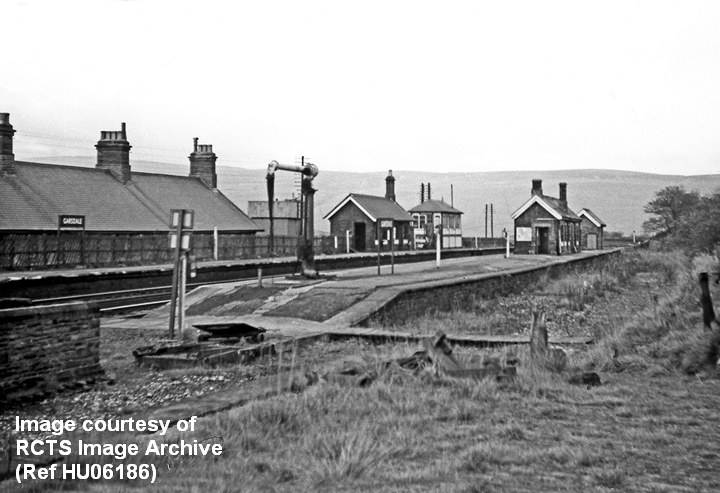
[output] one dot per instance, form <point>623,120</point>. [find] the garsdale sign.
<point>71,222</point>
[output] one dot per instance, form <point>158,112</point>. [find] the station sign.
<point>386,223</point>
<point>67,221</point>
<point>182,222</point>
<point>184,242</point>
<point>187,215</point>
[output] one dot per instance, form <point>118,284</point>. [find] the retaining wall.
<point>43,348</point>
<point>449,295</point>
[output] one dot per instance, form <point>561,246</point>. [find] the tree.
<point>669,206</point>
<point>699,229</point>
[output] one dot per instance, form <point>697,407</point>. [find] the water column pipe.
<point>309,171</point>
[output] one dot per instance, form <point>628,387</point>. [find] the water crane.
<point>309,171</point>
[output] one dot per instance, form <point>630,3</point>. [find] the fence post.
<point>215,243</point>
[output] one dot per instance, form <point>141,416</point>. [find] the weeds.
<point>339,454</point>
<point>614,478</point>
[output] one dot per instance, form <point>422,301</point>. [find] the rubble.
<point>437,358</point>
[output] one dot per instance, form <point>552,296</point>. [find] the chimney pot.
<point>202,163</point>
<point>390,186</point>
<point>563,193</point>
<point>113,153</point>
<point>536,187</point>
<point>7,158</point>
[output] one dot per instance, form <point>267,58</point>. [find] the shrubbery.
<point>685,219</point>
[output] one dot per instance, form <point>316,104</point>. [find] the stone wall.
<point>345,220</point>
<point>43,348</point>
<point>586,228</point>
<point>451,295</point>
<point>536,216</point>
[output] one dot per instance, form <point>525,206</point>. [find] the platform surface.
<point>373,292</point>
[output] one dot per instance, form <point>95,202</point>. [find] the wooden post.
<point>347,241</point>
<point>492,222</point>
<point>57,248</point>
<point>176,266</point>
<point>181,302</point>
<point>392,250</point>
<point>486,220</point>
<point>438,241</point>
<point>708,312</point>
<point>259,277</point>
<point>507,243</point>
<point>82,245</point>
<point>379,242</point>
<point>215,243</point>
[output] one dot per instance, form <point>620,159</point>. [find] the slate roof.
<point>551,204</point>
<point>432,205</point>
<point>37,193</point>
<point>374,207</point>
<point>563,210</point>
<point>592,216</point>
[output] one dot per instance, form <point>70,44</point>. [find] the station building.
<point>546,225</point>
<point>592,230</point>
<point>358,217</point>
<point>124,214</point>
<point>428,216</point>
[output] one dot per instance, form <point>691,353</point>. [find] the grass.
<point>439,434</point>
<point>647,428</point>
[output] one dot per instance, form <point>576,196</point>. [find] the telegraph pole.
<point>486,219</point>
<point>492,217</point>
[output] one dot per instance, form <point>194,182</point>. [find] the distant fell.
<point>615,196</point>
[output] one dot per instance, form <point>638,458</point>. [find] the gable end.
<point>536,199</point>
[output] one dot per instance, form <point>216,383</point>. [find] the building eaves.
<point>592,217</point>
<point>432,205</point>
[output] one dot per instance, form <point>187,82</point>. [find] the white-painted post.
<point>336,245</point>
<point>260,284</point>
<point>215,243</point>
<point>347,241</point>
<point>181,305</point>
<point>476,247</point>
<point>507,245</point>
<point>438,241</point>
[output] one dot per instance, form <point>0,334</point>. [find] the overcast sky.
<point>368,86</point>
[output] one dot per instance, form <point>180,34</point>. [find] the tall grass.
<point>668,334</point>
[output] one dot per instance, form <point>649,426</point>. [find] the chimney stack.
<point>7,158</point>
<point>202,163</point>
<point>429,192</point>
<point>537,187</point>
<point>563,194</point>
<point>390,186</point>
<point>113,153</point>
<point>422,193</point>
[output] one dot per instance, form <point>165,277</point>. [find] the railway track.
<point>117,302</point>
<point>149,289</point>
<point>127,301</point>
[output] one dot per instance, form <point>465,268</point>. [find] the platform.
<point>373,293</point>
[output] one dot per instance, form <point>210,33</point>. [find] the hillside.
<point>617,197</point>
